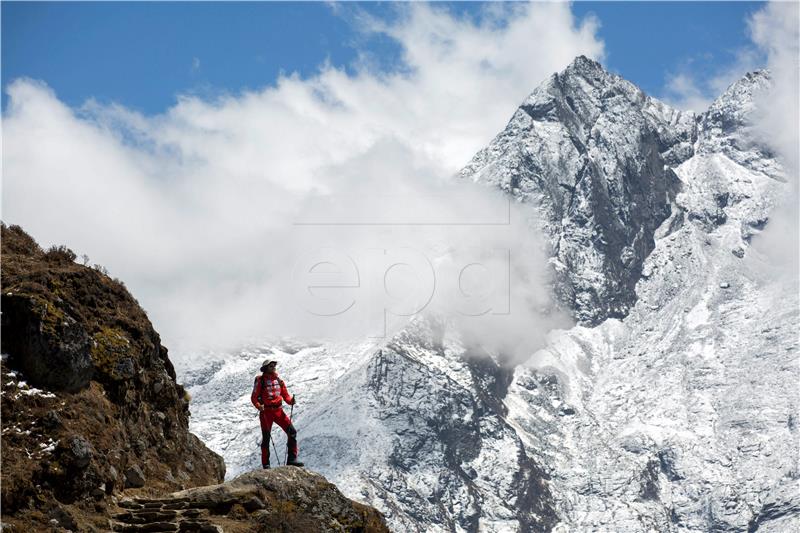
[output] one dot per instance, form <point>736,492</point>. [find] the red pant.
<point>267,417</point>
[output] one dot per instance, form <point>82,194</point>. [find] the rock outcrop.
<point>284,499</point>
<point>89,397</point>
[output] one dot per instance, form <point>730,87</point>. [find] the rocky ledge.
<point>283,499</point>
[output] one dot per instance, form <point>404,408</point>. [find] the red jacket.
<point>268,390</point>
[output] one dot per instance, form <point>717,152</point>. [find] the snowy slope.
<point>673,407</point>
<point>685,412</point>
<point>414,423</point>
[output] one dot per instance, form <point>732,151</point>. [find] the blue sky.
<point>148,186</point>
<point>143,54</point>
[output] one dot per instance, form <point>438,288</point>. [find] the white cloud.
<point>693,87</point>
<point>684,92</point>
<point>193,208</point>
<point>775,29</point>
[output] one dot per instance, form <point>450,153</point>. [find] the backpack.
<point>275,389</point>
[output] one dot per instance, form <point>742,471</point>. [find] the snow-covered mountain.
<point>672,406</point>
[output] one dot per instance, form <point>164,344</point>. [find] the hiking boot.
<point>265,467</point>
<point>292,461</point>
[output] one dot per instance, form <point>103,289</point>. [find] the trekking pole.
<point>291,413</point>
<point>277,457</point>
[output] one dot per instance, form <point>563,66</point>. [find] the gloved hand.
<point>294,400</point>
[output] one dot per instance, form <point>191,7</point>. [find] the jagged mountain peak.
<point>594,153</point>
<point>584,62</point>
<point>745,89</point>
<point>576,94</point>
<point>597,156</point>
<point>733,107</point>
<point>741,91</point>
<point>585,67</point>
<point>729,126</point>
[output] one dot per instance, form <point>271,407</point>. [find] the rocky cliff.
<point>92,413</point>
<point>90,402</point>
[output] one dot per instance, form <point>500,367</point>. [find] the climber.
<point>268,393</point>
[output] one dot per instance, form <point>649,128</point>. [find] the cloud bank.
<point>775,30</point>
<point>203,210</point>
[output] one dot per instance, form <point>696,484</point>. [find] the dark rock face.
<point>595,153</point>
<point>667,462</point>
<point>80,451</point>
<point>134,477</point>
<point>52,349</point>
<point>649,481</point>
<point>90,402</point>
